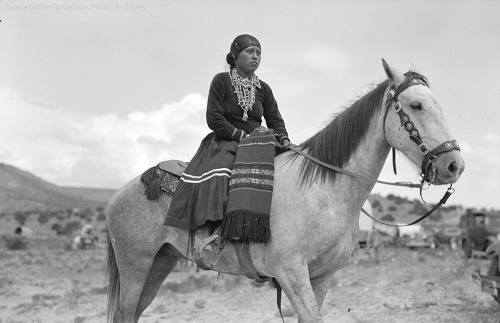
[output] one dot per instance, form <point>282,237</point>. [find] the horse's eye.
<point>416,106</point>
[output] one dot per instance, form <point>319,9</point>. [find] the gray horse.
<point>314,212</point>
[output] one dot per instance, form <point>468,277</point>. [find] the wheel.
<point>493,271</point>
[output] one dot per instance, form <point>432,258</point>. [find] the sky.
<point>92,93</point>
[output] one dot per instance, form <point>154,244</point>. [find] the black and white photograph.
<point>208,161</point>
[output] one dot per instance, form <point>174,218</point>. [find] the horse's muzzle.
<point>449,167</point>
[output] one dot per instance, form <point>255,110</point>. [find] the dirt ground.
<point>47,283</point>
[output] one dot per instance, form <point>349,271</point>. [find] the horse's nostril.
<point>453,167</point>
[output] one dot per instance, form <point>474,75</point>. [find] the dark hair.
<point>238,45</point>
<point>230,60</point>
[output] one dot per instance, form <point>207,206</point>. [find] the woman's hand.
<point>287,143</point>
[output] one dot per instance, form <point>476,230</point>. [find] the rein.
<point>405,184</point>
<point>428,167</point>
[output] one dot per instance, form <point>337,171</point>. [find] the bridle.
<point>428,167</point>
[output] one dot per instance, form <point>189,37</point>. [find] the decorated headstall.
<point>428,168</point>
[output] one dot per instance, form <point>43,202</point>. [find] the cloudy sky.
<point>94,92</point>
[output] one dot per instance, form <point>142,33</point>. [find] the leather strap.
<point>249,270</point>
<point>411,185</point>
<point>340,170</point>
<point>246,263</point>
<point>441,202</point>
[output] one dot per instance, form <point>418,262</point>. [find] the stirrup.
<point>201,254</point>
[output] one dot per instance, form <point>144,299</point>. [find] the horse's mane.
<point>335,143</point>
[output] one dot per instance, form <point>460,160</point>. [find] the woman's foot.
<point>207,247</point>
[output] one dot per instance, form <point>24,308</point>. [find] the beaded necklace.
<point>245,91</point>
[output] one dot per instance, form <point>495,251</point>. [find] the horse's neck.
<point>368,159</point>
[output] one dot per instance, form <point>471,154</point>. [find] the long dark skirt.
<point>202,192</point>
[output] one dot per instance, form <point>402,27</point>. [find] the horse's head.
<point>414,124</point>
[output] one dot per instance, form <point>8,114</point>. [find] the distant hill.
<point>23,191</point>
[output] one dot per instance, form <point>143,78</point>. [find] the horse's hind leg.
<point>133,274</point>
<point>163,264</point>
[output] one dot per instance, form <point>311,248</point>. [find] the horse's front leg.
<point>296,284</point>
<point>320,288</point>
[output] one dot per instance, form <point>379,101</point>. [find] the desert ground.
<point>50,283</point>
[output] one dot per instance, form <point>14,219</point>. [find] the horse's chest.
<point>335,251</point>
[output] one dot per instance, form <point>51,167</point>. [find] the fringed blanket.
<point>246,219</point>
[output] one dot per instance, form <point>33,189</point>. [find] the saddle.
<point>174,167</point>
<point>163,177</point>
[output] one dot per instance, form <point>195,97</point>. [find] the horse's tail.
<point>114,281</point>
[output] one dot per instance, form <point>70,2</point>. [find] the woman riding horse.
<point>237,102</point>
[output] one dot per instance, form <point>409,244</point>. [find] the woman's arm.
<point>273,115</point>
<point>215,112</point>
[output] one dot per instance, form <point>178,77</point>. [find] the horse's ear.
<point>392,73</point>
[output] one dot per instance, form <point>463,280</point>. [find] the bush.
<point>58,228</point>
<point>418,208</point>
<point>44,217</point>
<point>72,226</point>
<point>101,217</point>
<point>21,217</point>
<point>16,243</point>
<point>376,204</point>
<point>388,217</point>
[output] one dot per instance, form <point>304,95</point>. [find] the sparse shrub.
<point>58,228</point>
<point>376,204</point>
<point>100,208</point>
<point>436,215</point>
<point>400,200</point>
<point>418,208</point>
<point>21,217</point>
<point>388,217</point>
<point>73,296</point>
<point>392,208</point>
<point>101,217</point>
<point>62,215</point>
<point>86,214</point>
<point>15,243</point>
<point>44,217</point>
<point>72,226</point>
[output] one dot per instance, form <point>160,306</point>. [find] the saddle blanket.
<point>247,215</point>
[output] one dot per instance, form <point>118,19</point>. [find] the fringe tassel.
<point>152,183</point>
<point>241,226</point>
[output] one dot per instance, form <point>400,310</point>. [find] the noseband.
<point>428,167</point>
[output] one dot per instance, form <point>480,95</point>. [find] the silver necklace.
<point>245,91</point>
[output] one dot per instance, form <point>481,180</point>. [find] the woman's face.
<point>248,61</point>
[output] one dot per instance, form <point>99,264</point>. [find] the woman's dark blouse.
<point>224,115</point>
